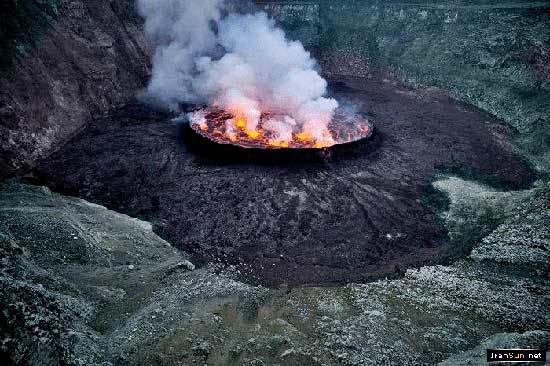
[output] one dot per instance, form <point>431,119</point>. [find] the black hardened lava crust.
<point>331,216</point>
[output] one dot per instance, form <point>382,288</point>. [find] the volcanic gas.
<point>261,88</point>
<point>271,131</point>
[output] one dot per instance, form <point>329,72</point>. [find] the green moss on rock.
<point>21,25</point>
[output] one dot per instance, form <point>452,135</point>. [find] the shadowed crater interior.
<point>306,218</point>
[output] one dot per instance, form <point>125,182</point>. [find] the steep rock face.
<point>92,57</point>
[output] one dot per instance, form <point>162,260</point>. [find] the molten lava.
<point>226,128</point>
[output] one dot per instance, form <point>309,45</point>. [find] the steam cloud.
<point>241,63</point>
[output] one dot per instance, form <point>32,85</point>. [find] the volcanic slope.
<point>347,218</point>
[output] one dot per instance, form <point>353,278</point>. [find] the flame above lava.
<point>227,128</point>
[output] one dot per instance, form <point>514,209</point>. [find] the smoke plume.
<point>241,63</point>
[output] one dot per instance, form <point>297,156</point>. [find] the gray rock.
<point>186,265</point>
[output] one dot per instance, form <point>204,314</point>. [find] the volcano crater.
<point>347,215</point>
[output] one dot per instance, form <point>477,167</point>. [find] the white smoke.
<point>258,70</point>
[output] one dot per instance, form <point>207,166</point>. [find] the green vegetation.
<point>21,25</point>
<point>535,143</point>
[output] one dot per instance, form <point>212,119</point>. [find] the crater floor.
<point>346,218</point>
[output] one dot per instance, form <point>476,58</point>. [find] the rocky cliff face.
<point>492,54</point>
<point>91,57</point>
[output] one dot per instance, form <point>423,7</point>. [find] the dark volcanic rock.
<point>348,217</point>
<point>92,58</point>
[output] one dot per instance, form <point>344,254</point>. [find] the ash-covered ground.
<point>356,215</point>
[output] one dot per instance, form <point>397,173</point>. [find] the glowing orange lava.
<point>301,136</point>
<point>241,123</point>
<point>252,134</point>
<point>225,128</point>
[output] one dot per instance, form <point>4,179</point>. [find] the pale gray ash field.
<point>225,182</point>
